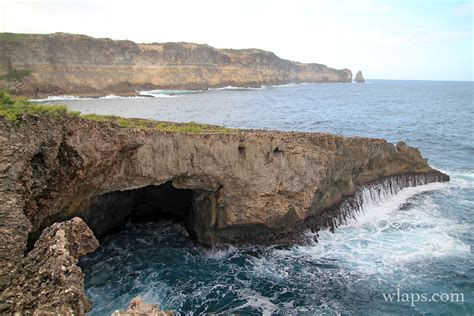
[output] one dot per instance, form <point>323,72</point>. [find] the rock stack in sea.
<point>359,78</point>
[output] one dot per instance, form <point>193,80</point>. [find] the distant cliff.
<point>39,65</point>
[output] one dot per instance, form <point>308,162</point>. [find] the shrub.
<point>11,108</point>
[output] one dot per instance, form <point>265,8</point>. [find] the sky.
<point>399,39</point>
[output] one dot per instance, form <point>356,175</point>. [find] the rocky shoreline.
<point>65,180</point>
<point>38,66</point>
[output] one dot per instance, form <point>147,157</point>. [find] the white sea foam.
<point>384,237</point>
<point>60,98</point>
<point>255,300</point>
<point>167,93</point>
<point>238,88</point>
<point>377,208</point>
<point>113,96</point>
<point>73,98</point>
<point>220,253</point>
<point>461,179</point>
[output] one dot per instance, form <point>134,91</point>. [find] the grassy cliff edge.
<point>12,108</point>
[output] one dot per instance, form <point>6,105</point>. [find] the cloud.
<point>359,35</point>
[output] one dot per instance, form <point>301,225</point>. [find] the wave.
<point>388,232</point>
<point>254,300</point>
<point>161,93</point>
<point>167,93</point>
<point>238,88</point>
<point>74,98</point>
<point>112,96</point>
<point>60,98</point>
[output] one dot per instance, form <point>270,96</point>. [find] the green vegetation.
<point>2,285</point>
<point>16,75</point>
<point>16,37</point>
<point>191,127</point>
<point>11,108</point>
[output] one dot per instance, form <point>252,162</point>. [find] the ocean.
<point>409,253</point>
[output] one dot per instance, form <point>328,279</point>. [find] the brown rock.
<point>138,307</point>
<point>359,78</point>
<point>239,186</point>
<point>81,65</point>
<point>48,281</point>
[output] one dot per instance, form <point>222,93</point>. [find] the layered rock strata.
<point>42,65</point>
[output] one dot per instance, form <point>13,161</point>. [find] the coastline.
<point>165,92</point>
<point>81,68</point>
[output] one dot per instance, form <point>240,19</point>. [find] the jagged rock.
<point>359,78</point>
<point>138,307</point>
<point>60,62</point>
<point>228,187</point>
<point>48,281</point>
<point>256,186</point>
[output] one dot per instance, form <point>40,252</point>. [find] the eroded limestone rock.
<point>247,186</point>
<point>76,64</point>
<point>48,281</point>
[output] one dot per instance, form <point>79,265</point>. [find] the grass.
<point>12,108</point>
<point>16,37</point>
<point>16,75</point>
<point>137,123</point>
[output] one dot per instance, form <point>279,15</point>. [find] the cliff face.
<point>81,65</point>
<point>245,186</point>
<point>48,281</point>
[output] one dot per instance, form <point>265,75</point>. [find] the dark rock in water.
<point>359,78</point>
<point>225,187</point>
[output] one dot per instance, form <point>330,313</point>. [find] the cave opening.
<point>109,213</point>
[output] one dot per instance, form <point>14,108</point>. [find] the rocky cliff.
<point>226,187</point>
<point>40,65</point>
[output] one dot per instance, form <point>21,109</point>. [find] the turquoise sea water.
<point>417,242</point>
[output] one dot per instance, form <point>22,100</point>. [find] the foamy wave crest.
<point>380,192</point>
<point>238,88</point>
<point>461,179</point>
<point>73,98</point>
<point>60,98</point>
<point>254,300</point>
<point>220,253</point>
<point>390,225</point>
<point>166,93</point>
<point>113,96</point>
